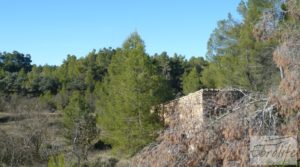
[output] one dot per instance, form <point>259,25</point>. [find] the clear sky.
<point>51,29</point>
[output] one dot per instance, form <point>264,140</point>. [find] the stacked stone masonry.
<point>202,106</point>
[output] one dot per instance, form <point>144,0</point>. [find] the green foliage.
<point>80,125</point>
<point>223,38</point>
<point>13,82</point>
<point>128,93</point>
<point>72,74</point>
<point>76,109</point>
<point>47,102</point>
<point>191,81</point>
<point>237,58</point>
<point>106,162</point>
<point>17,75</point>
<point>15,61</point>
<point>211,76</point>
<point>41,80</point>
<point>196,62</point>
<point>177,64</point>
<point>57,161</point>
<point>171,69</point>
<point>98,63</point>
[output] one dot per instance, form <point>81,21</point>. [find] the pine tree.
<point>80,125</point>
<point>237,58</point>
<point>129,91</point>
<point>191,81</point>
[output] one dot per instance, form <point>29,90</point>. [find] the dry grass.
<point>287,56</point>
<point>293,9</point>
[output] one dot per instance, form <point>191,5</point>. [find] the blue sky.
<point>51,29</point>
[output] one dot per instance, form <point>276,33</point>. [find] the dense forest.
<point>104,98</point>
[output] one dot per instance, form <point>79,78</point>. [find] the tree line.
<point>18,75</point>
<point>114,87</point>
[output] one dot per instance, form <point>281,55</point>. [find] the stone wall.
<point>201,106</point>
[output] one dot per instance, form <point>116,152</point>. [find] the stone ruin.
<point>195,130</point>
<point>202,106</point>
